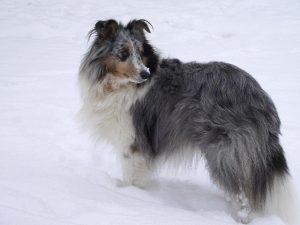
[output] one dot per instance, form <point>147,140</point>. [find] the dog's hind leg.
<point>229,171</point>
<point>135,168</point>
<point>242,210</point>
<point>244,164</point>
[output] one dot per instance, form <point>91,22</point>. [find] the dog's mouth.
<point>137,80</point>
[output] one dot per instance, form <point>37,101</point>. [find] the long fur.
<point>215,108</point>
<point>224,112</point>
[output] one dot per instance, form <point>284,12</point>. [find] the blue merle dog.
<point>153,109</point>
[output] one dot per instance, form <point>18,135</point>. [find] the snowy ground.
<point>50,172</point>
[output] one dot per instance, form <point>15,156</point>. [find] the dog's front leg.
<point>135,167</point>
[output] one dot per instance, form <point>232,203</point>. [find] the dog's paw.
<point>142,184</point>
<point>121,183</point>
<point>243,216</point>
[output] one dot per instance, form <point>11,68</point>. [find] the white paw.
<point>241,209</point>
<point>243,216</point>
<point>244,220</point>
<point>141,183</point>
<point>137,183</point>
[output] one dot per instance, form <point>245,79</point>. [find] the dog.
<point>153,109</point>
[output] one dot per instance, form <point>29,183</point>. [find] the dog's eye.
<point>124,55</point>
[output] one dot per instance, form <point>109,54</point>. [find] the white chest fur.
<point>108,117</point>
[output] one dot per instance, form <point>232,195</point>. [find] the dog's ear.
<point>139,25</point>
<point>106,29</point>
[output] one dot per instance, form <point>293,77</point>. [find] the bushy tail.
<point>282,200</point>
<point>270,189</point>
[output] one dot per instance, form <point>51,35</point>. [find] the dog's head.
<point>121,53</point>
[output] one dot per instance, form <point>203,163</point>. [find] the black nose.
<point>144,74</point>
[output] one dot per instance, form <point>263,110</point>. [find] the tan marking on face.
<point>119,68</point>
<point>109,63</point>
<point>126,69</point>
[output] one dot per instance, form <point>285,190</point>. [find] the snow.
<point>52,174</point>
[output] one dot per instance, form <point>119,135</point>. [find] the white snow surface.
<point>51,173</point>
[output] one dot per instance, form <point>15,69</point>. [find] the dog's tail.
<point>282,200</point>
<point>278,195</point>
<point>266,181</point>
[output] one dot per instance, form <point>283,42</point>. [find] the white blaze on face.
<point>137,59</point>
<point>138,64</point>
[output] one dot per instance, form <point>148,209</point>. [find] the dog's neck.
<point>107,93</point>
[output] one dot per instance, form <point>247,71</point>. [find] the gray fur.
<point>220,110</point>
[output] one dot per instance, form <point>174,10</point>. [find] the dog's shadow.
<point>188,196</point>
